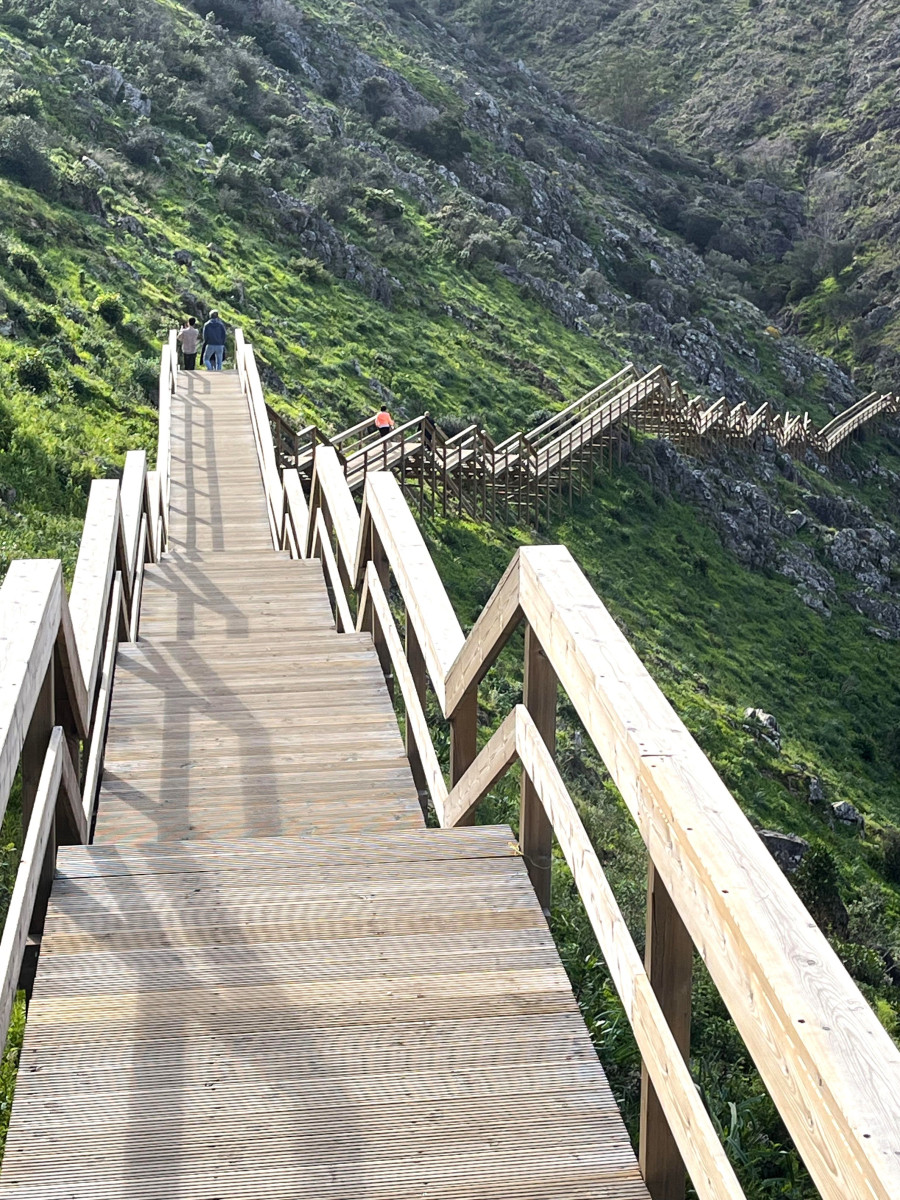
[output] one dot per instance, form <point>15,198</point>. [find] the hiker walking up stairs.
<point>266,977</point>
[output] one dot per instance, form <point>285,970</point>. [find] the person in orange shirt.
<point>384,422</point>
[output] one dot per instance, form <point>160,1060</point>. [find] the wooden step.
<point>351,1042</point>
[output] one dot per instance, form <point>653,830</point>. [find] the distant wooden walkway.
<point>525,476</point>
<point>266,978</point>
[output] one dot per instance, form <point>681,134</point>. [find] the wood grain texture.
<point>361,1047</point>
<point>30,604</point>
<point>832,1069</point>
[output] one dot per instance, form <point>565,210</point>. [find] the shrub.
<point>309,269</point>
<point>442,139</point>
<point>383,203</point>
<point>109,307</point>
<point>892,854</point>
<point>143,147</point>
<point>33,373</point>
<point>27,265</point>
<point>22,155</point>
<point>376,94</point>
<point>7,427</point>
<point>816,883</point>
<point>24,102</point>
<point>145,373</point>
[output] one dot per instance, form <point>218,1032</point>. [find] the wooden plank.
<point>322,542</point>
<point>373,593</point>
<point>71,681</point>
<point>30,874</point>
<point>101,714</point>
<point>691,1126</point>
<point>427,605</point>
<point>443,1025</point>
<point>491,764</point>
<point>297,509</point>
<point>89,599</point>
<point>133,490</point>
<point>830,1066</point>
<point>492,630</point>
<point>30,604</point>
<point>329,485</point>
<point>418,673</point>
<point>669,959</point>
<point>535,831</point>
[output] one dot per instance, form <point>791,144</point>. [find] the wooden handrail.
<point>518,738</point>
<point>831,1069</point>
<point>57,776</point>
<point>57,656</point>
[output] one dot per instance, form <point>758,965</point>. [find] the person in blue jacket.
<point>214,337</point>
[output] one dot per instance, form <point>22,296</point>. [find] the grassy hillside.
<point>391,211</point>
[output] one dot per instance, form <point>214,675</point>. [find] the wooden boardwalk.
<point>266,978</point>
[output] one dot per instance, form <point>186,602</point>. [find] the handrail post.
<point>535,831</point>
<point>669,959</point>
<point>464,737</point>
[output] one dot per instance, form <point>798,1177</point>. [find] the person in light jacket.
<point>189,337</point>
<point>214,337</point>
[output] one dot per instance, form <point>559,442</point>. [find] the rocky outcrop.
<point>786,848</point>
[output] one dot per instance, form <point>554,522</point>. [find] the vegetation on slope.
<point>393,215</point>
<point>798,99</point>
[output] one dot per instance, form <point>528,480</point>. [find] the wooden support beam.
<point>34,751</point>
<point>419,677</point>
<point>669,960</point>
<point>535,830</point>
<point>464,736</point>
<point>379,561</point>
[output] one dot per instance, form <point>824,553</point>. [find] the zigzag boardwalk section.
<point>266,977</point>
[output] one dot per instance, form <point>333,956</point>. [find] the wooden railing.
<point>830,1067</point>
<point>57,657</point>
<point>527,476</point>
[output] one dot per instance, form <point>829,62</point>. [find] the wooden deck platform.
<point>266,978</point>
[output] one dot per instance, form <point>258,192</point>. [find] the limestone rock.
<point>844,811</point>
<point>763,726</point>
<point>786,848</point>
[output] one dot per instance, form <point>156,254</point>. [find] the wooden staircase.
<point>266,977</point>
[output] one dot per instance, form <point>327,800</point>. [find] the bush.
<point>143,147</point>
<point>383,203</point>
<point>24,102</point>
<point>442,139</point>
<point>7,427</point>
<point>376,94</point>
<point>26,264</point>
<point>22,155</point>
<point>817,884</point>
<point>309,269</point>
<point>33,373</point>
<point>109,307</point>
<point>892,854</point>
<point>145,373</point>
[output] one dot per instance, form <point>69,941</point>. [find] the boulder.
<point>763,726</point>
<point>786,848</point>
<point>816,790</point>
<point>844,811</point>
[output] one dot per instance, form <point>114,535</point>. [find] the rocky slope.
<point>801,95</point>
